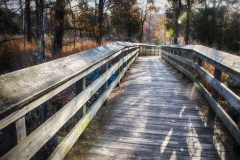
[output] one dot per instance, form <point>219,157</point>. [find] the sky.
<point>159,3</point>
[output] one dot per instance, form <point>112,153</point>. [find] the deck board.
<point>160,115</point>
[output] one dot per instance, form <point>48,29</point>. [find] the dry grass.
<point>79,46</point>
<point>14,56</point>
<point>12,53</point>
<point>210,69</point>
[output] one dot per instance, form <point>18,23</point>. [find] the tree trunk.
<point>129,25</point>
<point>37,19</point>
<point>58,36</point>
<point>44,58</point>
<point>28,20</point>
<point>212,32</point>
<point>22,16</point>
<point>141,35</point>
<point>100,21</point>
<point>188,24</point>
<point>144,16</point>
<point>176,22</point>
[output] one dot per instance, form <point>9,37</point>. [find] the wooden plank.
<point>146,137</point>
<point>104,68</point>
<point>141,143</point>
<point>153,152</point>
<point>81,86</point>
<point>217,76</point>
<point>32,143</point>
<point>120,119</point>
<point>14,133</point>
<point>71,138</point>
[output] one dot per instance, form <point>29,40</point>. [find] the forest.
<point>36,31</point>
<point>55,100</point>
<point>213,23</point>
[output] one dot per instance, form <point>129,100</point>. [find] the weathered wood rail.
<point>27,89</point>
<point>190,58</point>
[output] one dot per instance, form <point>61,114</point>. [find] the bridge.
<point>165,104</point>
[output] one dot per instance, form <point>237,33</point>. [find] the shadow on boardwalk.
<point>155,114</point>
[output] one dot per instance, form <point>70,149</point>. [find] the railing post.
<point>186,56</point>
<point>194,57</point>
<point>236,146</point>
<point>172,52</point>
<point>104,68</point>
<point>179,54</point>
<point>123,55</point>
<point>14,133</point>
<point>80,86</point>
<point>118,58</point>
<point>175,53</point>
<point>199,61</point>
<point>217,75</point>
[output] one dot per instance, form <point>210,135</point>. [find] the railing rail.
<point>150,50</point>
<point>26,89</point>
<point>193,56</point>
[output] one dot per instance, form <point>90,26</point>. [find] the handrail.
<point>182,57</point>
<point>26,89</point>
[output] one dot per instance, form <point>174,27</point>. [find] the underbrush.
<point>15,53</point>
<point>210,69</point>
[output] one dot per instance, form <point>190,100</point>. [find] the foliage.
<point>214,23</point>
<point>9,21</point>
<point>125,18</point>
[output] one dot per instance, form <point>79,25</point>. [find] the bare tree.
<point>100,20</point>
<point>44,58</point>
<point>59,28</point>
<point>28,20</point>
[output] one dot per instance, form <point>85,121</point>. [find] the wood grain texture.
<point>32,143</point>
<point>150,122</point>
<point>24,86</point>
<point>225,62</point>
<point>15,102</point>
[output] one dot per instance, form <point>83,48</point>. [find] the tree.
<point>188,22</point>
<point>146,9</point>
<point>176,10</point>
<point>125,18</point>
<point>9,21</point>
<point>100,21</point>
<point>28,20</point>
<point>43,53</point>
<point>59,27</point>
<point>159,30</point>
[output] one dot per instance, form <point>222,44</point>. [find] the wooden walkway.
<point>160,115</point>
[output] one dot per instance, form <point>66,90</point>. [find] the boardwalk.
<point>160,115</point>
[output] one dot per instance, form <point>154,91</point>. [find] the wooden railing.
<point>189,59</point>
<point>27,89</point>
<point>150,50</point>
